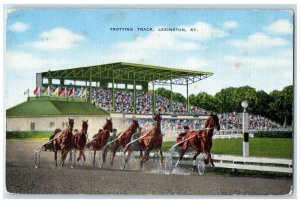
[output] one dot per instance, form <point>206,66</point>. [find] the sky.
<point>240,47</point>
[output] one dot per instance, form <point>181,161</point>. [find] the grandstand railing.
<point>55,98</point>
<point>222,134</point>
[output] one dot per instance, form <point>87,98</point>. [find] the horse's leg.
<point>161,154</point>
<point>55,156</point>
<point>79,155</point>
<point>207,148</point>
<point>185,146</point>
<point>104,155</point>
<point>113,155</point>
<point>94,157</point>
<point>64,154</point>
<point>62,159</point>
<point>145,158</point>
<point>83,154</point>
<point>161,157</point>
<point>208,158</point>
<point>194,161</point>
<point>141,150</point>
<point>128,155</point>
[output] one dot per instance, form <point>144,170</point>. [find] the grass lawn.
<point>262,147</point>
<point>29,135</point>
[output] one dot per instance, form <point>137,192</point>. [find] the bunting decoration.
<point>37,90</point>
<point>63,92</point>
<point>47,91</point>
<point>72,91</point>
<point>55,92</point>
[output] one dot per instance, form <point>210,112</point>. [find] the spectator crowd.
<point>124,103</point>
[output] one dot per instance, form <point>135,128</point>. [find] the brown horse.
<point>201,140</point>
<point>100,139</point>
<point>151,139</point>
<point>79,139</point>
<point>123,138</point>
<point>63,141</point>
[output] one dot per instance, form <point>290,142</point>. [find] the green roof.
<point>48,107</point>
<point>125,71</point>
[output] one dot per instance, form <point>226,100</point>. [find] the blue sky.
<point>241,47</point>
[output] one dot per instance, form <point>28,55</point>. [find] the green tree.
<point>167,93</point>
<point>281,105</point>
<point>204,101</point>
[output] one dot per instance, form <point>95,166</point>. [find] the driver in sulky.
<point>181,136</point>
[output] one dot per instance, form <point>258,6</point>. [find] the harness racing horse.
<point>201,140</point>
<point>151,139</point>
<point>63,141</point>
<point>80,138</point>
<point>100,139</point>
<point>123,138</point>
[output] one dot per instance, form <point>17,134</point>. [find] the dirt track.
<point>23,178</point>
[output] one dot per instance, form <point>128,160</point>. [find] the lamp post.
<point>245,130</point>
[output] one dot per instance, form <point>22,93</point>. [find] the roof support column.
<point>113,93</point>
<point>86,90</point>
<point>153,99</point>
<point>134,96</point>
<point>90,90</point>
<point>171,100</point>
<point>187,96</point>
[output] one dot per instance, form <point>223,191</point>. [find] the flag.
<point>46,91</point>
<point>79,93</point>
<point>72,91</point>
<point>63,92</point>
<point>55,92</point>
<point>84,92</point>
<point>26,92</point>
<point>37,90</point>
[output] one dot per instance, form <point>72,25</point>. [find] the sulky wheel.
<point>156,157</point>
<point>72,158</point>
<point>169,164</point>
<point>201,167</point>
<point>122,159</point>
<point>81,161</point>
<point>37,159</point>
<point>100,159</point>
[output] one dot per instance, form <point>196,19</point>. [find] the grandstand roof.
<point>47,106</point>
<point>129,72</point>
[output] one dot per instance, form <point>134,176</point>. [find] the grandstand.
<point>122,86</point>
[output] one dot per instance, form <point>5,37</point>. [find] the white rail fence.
<point>247,163</point>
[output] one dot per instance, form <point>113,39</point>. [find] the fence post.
<point>245,134</point>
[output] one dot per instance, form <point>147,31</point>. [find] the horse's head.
<point>157,117</point>
<point>108,124</point>
<point>84,126</point>
<point>213,122</point>
<point>71,123</point>
<point>135,123</point>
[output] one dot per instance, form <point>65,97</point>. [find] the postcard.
<point>121,102</point>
